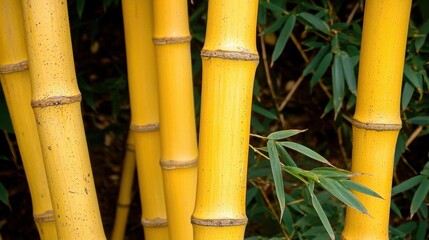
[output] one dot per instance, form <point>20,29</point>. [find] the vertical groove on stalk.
<point>229,60</point>
<point>177,119</point>
<point>125,190</point>
<point>143,88</point>
<point>377,120</point>
<point>16,86</point>
<point>56,105</point>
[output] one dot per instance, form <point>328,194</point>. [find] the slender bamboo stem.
<point>16,86</point>
<point>143,87</point>
<point>125,190</point>
<point>177,118</point>
<point>230,59</point>
<point>56,105</point>
<point>377,121</point>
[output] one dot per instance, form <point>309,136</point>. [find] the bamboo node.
<point>156,222</point>
<point>14,67</point>
<point>171,164</point>
<point>218,222</point>
<point>47,216</point>
<point>374,126</point>
<point>56,101</point>
<point>145,128</point>
<point>231,55</point>
<point>171,40</point>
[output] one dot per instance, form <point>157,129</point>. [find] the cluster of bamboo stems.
<point>185,193</point>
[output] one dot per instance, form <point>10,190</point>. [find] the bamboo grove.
<point>193,176</point>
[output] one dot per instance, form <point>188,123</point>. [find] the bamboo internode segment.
<point>377,121</point>
<point>56,106</point>
<point>229,59</point>
<point>15,81</point>
<point>143,88</point>
<point>15,67</point>
<point>179,150</point>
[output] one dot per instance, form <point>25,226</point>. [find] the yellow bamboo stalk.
<point>179,151</point>
<point>230,59</point>
<point>143,88</point>
<point>125,190</point>
<point>56,105</point>
<point>16,86</point>
<point>377,119</point>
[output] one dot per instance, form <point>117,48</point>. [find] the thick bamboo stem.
<point>125,190</point>
<point>377,119</point>
<point>177,119</point>
<point>143,88</point>
<point>230,59</point>
<point>16,86</point>
<point>56,105</point>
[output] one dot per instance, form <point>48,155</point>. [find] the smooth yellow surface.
<point>378,101</point>
<point>17,90</point>
<point>125,190</point>
<point>143,89</point>
<point>60,127</point>
<point>225,118</point>
<point>177,117</point>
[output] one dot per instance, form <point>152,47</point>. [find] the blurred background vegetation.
<point>300,43</point>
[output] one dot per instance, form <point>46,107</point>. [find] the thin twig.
<point>413,136</point>
<point>343,150</point>
<point>259,152</point>
<point>291,92</point>
<point>352,14</point>
<point>299,47</point>
<point>11,147</point>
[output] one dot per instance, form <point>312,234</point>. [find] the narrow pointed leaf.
<point>337,84</point>
<point>320,212</point>
<point>349,72</point>
<point>294,172</point>
<point>277,175</point>
<point>283,38</point>
<point>275,26</point>
<point>411,76</point>
<point>284,155</point>
<point>284,134</point>
<point>360,188</point>
<point>306,151</point>
<point>408,184</point>
<point>4,195</point>
<point>421,120</point>
<point>316,60</point>
<point>342,193</point>
<point>407,94</point>
<point>321,69</point>
<point>422,230</point>
<point>308,174</point>
<point>419,196</point>
<point>316,22</point>
<point>333,172</point>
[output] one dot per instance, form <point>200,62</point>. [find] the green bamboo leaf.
<point>80,5</point>
<point>320,212</point>
<point>275,26</point>
<point>316,22</point>
<point>419,196</point>
<point>408,184</point>
<point>395,209</point>
<point>342,193</point>
<point>285,156</point>
<point>273,7</point>
<point>407,94</point>
<point>316,60</point>
<point>296,170</point>
<point>360,188</point>
<point>419,42</point>
<point>264,112</point>
<point>333,172</point>
<point>425,77</point>
<point>306,151</point>
<point>283,38</point>
<point>422,230</point>
<point>421,120</point>
<point>284,134</point>
<point>411,76</point>
<point>337,84</point>
<point>349,72</point>
<point>4,195</point>
<point>321,69</point>
<point>277,175</point>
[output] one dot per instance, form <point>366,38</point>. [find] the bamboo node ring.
<point>230,55</point>
<point>145,128</point>
<point>218,222</point>
<point>47,216</point>
<point>171,164</point>
<point>14,67</point>
<point>56,101</point>
<point>374,126</point>
<point>171,40</point>
<point>156,222</point>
